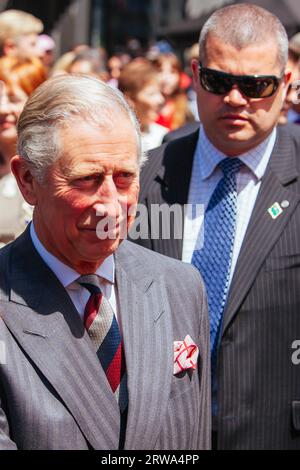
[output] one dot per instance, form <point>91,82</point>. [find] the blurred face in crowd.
<point>292,92</point>
<point>169,78</point>
<point>82,66</point>
<point>12,101</point>
<point>148,103</point>
<point>233,122</point>
<point>114,66</point>
<point>96,176</point>
<point>23,47</point>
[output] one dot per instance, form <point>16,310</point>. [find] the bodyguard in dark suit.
<point>249,253</point>
<point>103,344</point>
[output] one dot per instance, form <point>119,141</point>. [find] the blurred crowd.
<point>156,82</point>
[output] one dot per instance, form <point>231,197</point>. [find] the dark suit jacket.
<point>181,131</point>
<point>53,391</point>
<point>258,384</point>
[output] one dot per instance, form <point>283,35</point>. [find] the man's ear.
<point>287,77</point>
<point>25,179</point>
<point>195,71</point>
<point>286,82</point>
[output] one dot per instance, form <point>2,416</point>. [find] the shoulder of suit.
<point>290,131</point>
<point>157,264</point>
<point>289,134</point>
<point>155,156</point>
<point>5,253</point>
<point>167,156</point>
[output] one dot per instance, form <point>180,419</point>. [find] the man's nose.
<point>235,97</point>
<point>108,190</point>
<point>107,203</point>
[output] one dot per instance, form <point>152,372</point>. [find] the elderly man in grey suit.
<point>102,346</point>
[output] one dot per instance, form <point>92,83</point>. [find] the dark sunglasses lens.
<point>258,87</point>
<point>214,82</point>
<point>252,87</point>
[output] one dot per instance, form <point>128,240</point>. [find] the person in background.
<point>191,54</point>
<point>46,46</point>
<point>17,81</point>
<point>19,34</point>
<point>89,62</point>
<point>139,82</point>
<point>292,93</point>
<point>62,64</point>
<point>115,65</point>
<point>294,110</point>
<point>175,112</point>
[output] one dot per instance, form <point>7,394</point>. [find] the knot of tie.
<point>230,166</point>
<point>91,282</point>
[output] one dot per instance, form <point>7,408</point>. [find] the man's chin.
<point>92,253</point>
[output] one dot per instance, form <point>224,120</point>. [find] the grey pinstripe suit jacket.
<point>258,383</point>
<point>53,391</point>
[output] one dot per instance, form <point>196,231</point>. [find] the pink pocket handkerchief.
<point>185,355</point>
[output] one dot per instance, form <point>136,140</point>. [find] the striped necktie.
<point>103,329</point>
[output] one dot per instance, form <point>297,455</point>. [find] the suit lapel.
<point>174,179</point>
<point>148,348</point>
<point>42,317</point>
<point>263,230</point>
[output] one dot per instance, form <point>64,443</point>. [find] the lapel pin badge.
<point>276,209</point>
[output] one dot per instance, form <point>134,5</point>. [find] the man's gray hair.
<point>242,25</point>
<point>57,103</point>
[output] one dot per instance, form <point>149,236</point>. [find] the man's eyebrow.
<point>74,173</point>
<point>78,173</point>
<point>126,169</point>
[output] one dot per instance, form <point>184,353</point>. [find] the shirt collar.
<point>256,159</point>
<point>64,273</point>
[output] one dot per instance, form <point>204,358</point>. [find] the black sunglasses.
<point>252,86</point>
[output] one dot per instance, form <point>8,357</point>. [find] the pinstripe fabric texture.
<point>258,383</point>
<point>53,393</point>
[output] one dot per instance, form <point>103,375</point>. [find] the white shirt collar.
<point>256,159</point>
<point>64,273</point>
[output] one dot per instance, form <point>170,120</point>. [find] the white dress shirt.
<point>204,179</point>
<point>67,277</point>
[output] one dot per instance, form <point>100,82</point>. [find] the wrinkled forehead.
<point>79,136</point>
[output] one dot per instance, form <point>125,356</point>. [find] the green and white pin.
<point>275,210</point>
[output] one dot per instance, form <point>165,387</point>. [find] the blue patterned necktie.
<point>213,260</point>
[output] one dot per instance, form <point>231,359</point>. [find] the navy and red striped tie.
<point>103,329</point>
